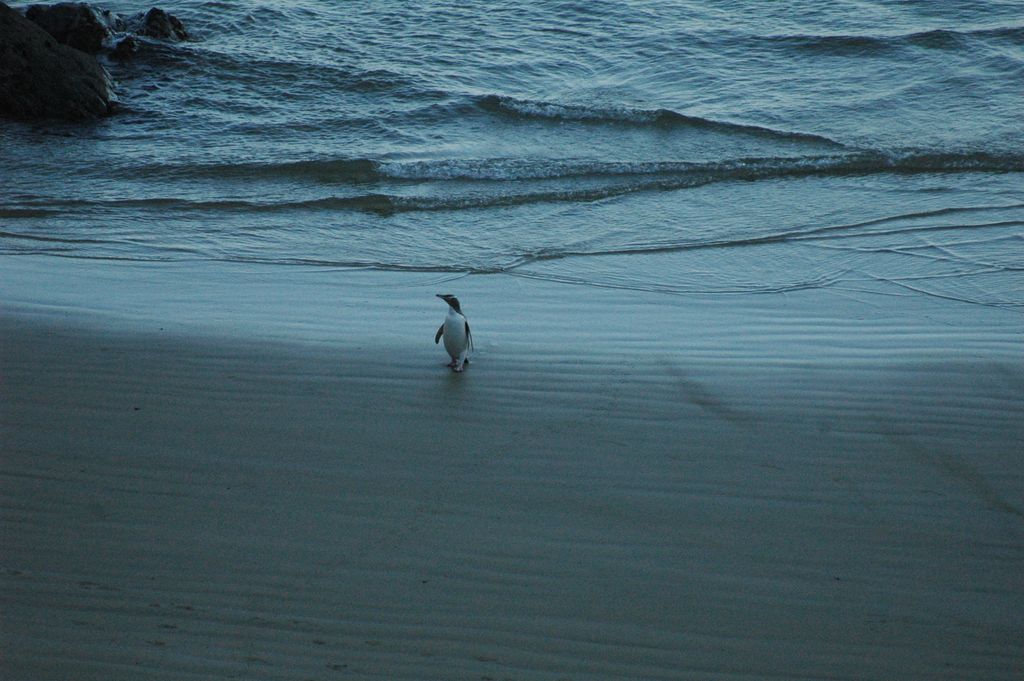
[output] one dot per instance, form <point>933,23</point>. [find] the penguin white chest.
<point>455,338</point>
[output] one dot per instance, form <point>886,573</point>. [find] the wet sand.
<point>282,481</point>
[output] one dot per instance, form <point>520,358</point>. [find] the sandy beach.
<point>620,486</point>
<point>746,285</point>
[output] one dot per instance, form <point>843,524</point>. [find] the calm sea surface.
<point>665,146</point>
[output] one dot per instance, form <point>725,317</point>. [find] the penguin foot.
<point>451,364</point>
<point>457,369</point>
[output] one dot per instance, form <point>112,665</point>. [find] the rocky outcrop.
<point>40,78</point>
<point>44,68</point>
<point>158,24</point>
<point>124,48</point>
<point>90,29</point>
<point>76,24</point>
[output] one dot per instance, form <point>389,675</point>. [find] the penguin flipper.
<point>440,332</point>
<point>469,336</point>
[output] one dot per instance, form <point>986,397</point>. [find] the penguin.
<point>455,329</point>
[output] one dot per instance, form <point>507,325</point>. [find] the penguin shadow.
<point>451,366</point>
<point>450,393</point>
<point>454,382</point>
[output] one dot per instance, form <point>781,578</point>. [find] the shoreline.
<point>263,490</point>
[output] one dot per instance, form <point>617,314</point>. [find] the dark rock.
<point>76,24</point>
<point>125,48</point>
<point>41,78</point>
<point>158,24</point>
<point>90,29</point>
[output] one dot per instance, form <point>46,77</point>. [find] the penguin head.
<point>451,300</point>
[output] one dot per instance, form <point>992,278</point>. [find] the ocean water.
<point>677,147</point>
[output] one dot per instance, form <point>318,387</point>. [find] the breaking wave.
<point>660,118</point>
<point>509,182</point>
<point>867,45</point>
<point>362,170</point>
